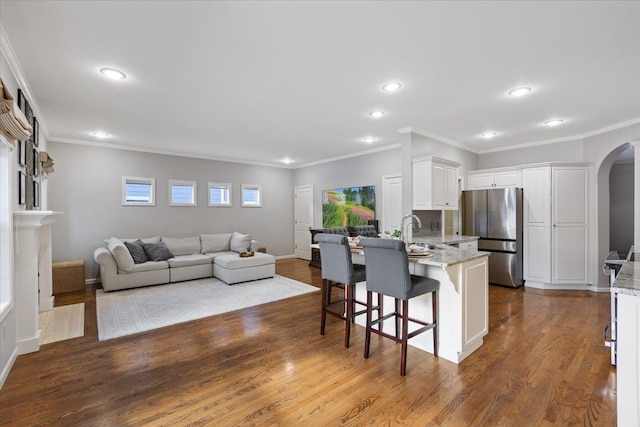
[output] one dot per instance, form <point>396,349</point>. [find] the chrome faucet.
<point>412,217</point>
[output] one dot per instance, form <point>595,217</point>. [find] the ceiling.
<point>261,81</point>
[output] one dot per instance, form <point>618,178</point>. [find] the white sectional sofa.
<point>124,266</point>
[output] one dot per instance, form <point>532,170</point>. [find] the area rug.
<point>62,323</point>
<point>131,311</point>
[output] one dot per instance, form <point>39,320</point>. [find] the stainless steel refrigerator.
<point>496,216</point>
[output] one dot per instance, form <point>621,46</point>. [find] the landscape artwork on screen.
<point>346,207</point>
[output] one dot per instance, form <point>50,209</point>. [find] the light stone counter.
<point>628,278</point>
<point>447,239</point>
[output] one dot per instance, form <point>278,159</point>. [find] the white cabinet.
<point>498,179</point>
<point>435,184</point>
<point>555,225</point>
<point>628,369</point>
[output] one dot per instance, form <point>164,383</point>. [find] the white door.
<point>391,203</point>
<point>303,218</point>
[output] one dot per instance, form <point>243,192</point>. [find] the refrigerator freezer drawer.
<point>497,245</point>
<point>503,269</point>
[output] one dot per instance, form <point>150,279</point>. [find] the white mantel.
<point>33,281</point>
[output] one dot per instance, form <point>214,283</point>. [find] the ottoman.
<point>232,268</point>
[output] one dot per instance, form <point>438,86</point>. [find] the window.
<point>251,196</point>
<point>138,191</point>
<point>182,193</point>
<point>219,194</point>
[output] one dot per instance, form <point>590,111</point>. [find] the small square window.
<point>138,191</point>
<point>182,193</point>
<point>251,196</point>
<point>219,194</point>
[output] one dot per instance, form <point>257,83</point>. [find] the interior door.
<point>303,218</point>
<point>391,203</point>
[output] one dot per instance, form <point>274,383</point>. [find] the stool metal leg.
<point>405,333</point>
<point>434,310</point>
<point>349,305</point>
<point>367,334</point>
<point>325,301</point>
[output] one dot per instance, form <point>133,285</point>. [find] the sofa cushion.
<point>121,254</point>
<point>137,251</point>
<point>188,260</point>
<point>150,266</point>
<point>183,246</point>
<point>212,255</point>
<point>240,242</point>
<point>235,261</point>
<point>215,242</point>
<point>157,251</point>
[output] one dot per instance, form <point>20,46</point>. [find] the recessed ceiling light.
<point>286,160</point>
<point>369,139</point>
<point>112,73</point>
<point>99,134</point>
<point>391,86</point>
<point>376,114</point>
<point>488,135</point>
<point>553,122</point>
<point>521,91</point>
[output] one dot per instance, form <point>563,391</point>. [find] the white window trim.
<point>151,181</point>
<point>219,184</point>
<point>6,223</point>
<point>192,184</point>
<point>251,205</point>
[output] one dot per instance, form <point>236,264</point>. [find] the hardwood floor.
<point>543,363</point>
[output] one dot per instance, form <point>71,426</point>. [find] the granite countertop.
<point>444,256</point>
<point>628,279</point>
<point>446,239</point>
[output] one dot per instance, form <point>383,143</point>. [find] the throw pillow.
<point>137,251</point>
<point>240,242</point>
<point>157,251</point>
<point>121,254</point>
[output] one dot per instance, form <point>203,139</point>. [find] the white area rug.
<point>62,323</point>
<point>131,311</point>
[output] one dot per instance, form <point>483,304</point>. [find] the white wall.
<point>87,187</point>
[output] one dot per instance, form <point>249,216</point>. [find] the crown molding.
<point>163,152</point>
<point>439,138</point>
<point>349,156</point>
<point>14,67</point>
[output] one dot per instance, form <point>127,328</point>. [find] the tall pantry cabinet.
<point>555,225</point>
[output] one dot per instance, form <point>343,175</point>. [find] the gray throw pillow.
<point>137,251</point>
<point>157,251</point>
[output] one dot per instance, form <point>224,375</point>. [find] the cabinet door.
<point>481,181</point>
<point>508,179</point>
<point>451,188</point>
<point>421,185</point>
<point>569,225</point>
<point>537,220</point>
<point>439,175</point>
<point>628,369</point>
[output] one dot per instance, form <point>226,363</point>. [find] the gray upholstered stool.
<point>338,271</point>
<point>387,266</point>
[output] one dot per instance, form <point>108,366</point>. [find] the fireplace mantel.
<point>33,282</point>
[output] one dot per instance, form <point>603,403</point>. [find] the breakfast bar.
<point>463,299</point>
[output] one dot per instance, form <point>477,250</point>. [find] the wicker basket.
<point>68,276</point>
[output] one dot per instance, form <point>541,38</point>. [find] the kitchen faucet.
<point>410,216</point>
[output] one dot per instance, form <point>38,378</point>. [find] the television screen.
<point>346,207</point>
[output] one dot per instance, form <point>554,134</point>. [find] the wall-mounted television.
<point>346,207</point>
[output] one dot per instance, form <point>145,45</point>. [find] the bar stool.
<point>338,271</point>
<point>387,266</point>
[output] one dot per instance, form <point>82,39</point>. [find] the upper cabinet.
<point>482,180</point>
<point>435,184</point>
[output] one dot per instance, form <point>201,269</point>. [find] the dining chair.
<point>387,267</point>
<point>365,230</point>
<point>338,271</point>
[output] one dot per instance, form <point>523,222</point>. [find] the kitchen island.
<point>463,300</point>
<point>627,288</point>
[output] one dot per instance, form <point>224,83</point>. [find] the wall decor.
<point>346,207</point>
<point>36,194</point>
<point>36,131</point>
<point>28,161</point>
<point>21,100</point>
<point>28,193</point>
<point>22,153</point>
<point>36,163</point>
<point>22,190</point>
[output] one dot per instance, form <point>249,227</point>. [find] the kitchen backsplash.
<point>431,223</point>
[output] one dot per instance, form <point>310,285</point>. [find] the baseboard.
<point>89,282</point>
<point>8,366</point>
<point>286,256</point>
<point>562,287</point>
